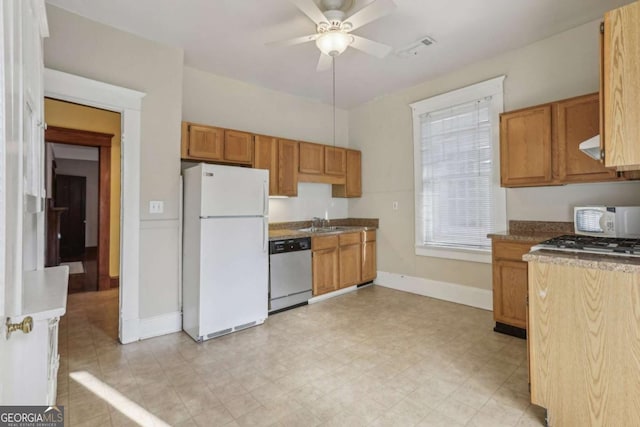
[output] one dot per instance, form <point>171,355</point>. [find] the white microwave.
<point>607,221</point>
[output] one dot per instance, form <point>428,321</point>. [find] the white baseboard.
<point>332,294</point>
<point>129,331</point>
<point>452,292</point>
<point>160,325</point>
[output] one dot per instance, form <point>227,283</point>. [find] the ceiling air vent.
<point>415,48</point>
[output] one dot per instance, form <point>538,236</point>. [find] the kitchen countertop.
<point>294,229</point>
<point>533,231</point>
<point>292,234</point>
<point>626,264</point>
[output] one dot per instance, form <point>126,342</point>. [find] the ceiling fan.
<point>333,28</point>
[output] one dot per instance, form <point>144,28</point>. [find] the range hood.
<point>591,147</point>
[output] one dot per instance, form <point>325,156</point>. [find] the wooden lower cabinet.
<point>584,335</point>
<point>510,286</point>
<point>369,265</point>
<point>350,259</point>
<point>325,252</point>
<point>342,260</point>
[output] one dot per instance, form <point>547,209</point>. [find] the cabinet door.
<point>287,167</point>
<point>205,142</point>
<point>238,146</point>
<point>510,292</point>
<point>577,120</point>
<point>335,160</point>
<point>353,185</point>
<point>325,270</point>
<point>525,147</point>
<point>369,265</point>
<point>350,265</point>
<point>266,157</point>
<point>311,158</point>
<point>621,72</point>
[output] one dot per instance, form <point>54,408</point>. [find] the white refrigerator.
<point>225,249</point>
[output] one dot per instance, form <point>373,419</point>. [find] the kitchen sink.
<point>331,229</point>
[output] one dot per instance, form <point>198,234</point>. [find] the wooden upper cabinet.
<point>576,120</point>
<point>238,146</point>
<point>525,147</point>
<point>335,160</point>
<point>353,184</point>
<point>621,91</point>
<point>287,167</point>
<point>215,144</point>
<point>266,157</point>
<point>205,142</point>
<point>311,158</point>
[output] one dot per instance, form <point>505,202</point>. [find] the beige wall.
<point>219,101</point>
<point>559,67</point>
<point>86,48</point>
<point>89,170</point>
<point>74,116</point>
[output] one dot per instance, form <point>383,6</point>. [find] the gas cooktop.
<point>595,245</point>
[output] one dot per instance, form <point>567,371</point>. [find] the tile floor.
<point>375,357</point>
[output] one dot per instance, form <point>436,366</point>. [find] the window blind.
<point>457,170</point>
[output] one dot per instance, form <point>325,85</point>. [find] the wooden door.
<point>206,142</point>
<point>335,160</point>
<point>621,72</point>
<point>70,193</point>
<point>325,270</point>
<point>311,158</point>
<point>576,120</point>
<point>238,146</point>
<point>525,147</point>
<point>287,167</point>
<point>266,157</point>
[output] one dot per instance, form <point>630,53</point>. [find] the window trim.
<point>495,88</point>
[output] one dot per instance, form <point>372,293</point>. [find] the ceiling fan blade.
<point>373,11</point>
<point>324,62</point>
<point>369,46</point>
<point>309,8</point>
<point>294,41</point>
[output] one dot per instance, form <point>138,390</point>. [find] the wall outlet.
<point>394,205</point>
<point>156,206</point>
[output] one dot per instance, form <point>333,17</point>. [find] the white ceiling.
<point>227,37</point>
<point>75,152</point>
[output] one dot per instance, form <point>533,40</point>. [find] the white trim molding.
<point>333,294</point>
<point>452,292</point>
<point>160,325</point>
<point>128,103</point>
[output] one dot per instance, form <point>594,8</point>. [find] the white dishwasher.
<point>289,273</point>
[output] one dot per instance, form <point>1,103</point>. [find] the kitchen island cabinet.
<point>584,338</point>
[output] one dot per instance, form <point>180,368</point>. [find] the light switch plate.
<point>394,205</point>
<point>156,206</point>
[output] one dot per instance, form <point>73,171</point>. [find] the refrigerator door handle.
<point>265,234</point>
<point>265,198</point>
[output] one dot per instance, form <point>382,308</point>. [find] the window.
<point>458,195</point>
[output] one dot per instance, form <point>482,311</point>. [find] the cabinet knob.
<point>25,326</point>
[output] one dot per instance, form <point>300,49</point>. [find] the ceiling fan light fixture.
<point>333,43</point>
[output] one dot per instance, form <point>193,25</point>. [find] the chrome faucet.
<point>316,222</point>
